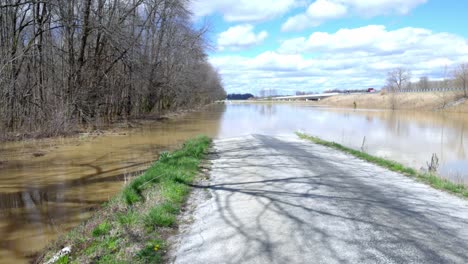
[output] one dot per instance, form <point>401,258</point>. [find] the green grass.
<point>431,179</point>
<point>179,166</point>
<point>92,248</point>
<point>63,260</point>
<point>128,219</point>
<point>163,215</point>
<point>152,252</point>
<point>139,218</point>
<point>102,229</point>
<point>174,191</point>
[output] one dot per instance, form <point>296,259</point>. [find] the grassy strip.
<point>431,179</point>
<point>132,227</point>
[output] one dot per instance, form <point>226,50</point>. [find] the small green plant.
<point>131,196</point>
<point>102,229</point>
<point>103,248</point>
<point>151,253</point>
<point>112,243</point>
<point>63,260</point>
<point>162,215</point>
<point>129,219</point>
<point>164,156</point>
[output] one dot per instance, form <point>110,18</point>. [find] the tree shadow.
<point>278,201</point>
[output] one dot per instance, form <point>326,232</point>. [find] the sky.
<point>318,45</point>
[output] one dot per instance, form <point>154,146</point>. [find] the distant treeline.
<point>64,63</point>
<point>239,96</point>
<point>455,79</point>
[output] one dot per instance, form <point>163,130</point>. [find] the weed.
<point>112,243</point>
<point>164,156</point>
<point>131,196</point>
<point>63,260</point>
<point>102,229</point>
<point>151,253</point>
<point>129,219</point>
<point>103,248</point>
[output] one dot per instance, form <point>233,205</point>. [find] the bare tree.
<point>66,63</point>
<point>445,95</point>
<point>398,79</point>
<point>423,83</point>
<point>461,78</point>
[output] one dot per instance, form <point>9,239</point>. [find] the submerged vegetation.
<point>429,178</point>
<point>133,226</point>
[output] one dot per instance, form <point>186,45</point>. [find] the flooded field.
<point>49,186</point>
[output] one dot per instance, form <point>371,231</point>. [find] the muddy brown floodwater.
<point>49,186</point>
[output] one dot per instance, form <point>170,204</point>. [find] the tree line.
<point>239,96</point>
<point>64,63</point>
<point>399,79</point>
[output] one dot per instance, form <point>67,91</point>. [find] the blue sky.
<point>315,45</point>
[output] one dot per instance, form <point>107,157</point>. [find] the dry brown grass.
<point>405,101</point>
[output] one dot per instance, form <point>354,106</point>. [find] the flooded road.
<point>49,186</point>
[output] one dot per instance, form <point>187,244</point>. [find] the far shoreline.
<point>429,101</point>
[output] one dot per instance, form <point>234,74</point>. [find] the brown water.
<point>41,197</point>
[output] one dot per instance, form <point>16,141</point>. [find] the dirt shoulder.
<point>450,102</point>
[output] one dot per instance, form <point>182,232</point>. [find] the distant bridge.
<point>305,97</point>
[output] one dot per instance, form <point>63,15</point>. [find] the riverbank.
<point>426,177</point>
<point>134,225</point>
<point>98,129</point>
<point>430,101</point>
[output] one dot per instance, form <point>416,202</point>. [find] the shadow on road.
<point>282,201</point>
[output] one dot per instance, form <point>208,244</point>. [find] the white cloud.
<point>240,37</point>
<point>298,23</point>
<point>376,39</point>
<point>325,9</point>
<point>318,12</point>
<point>348,58</point>
<point>369,8</point>
<point>243,10</point>
<point>322,10</point>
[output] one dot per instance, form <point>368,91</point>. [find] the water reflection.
<point>43,196</point>
<point>408,137</point>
